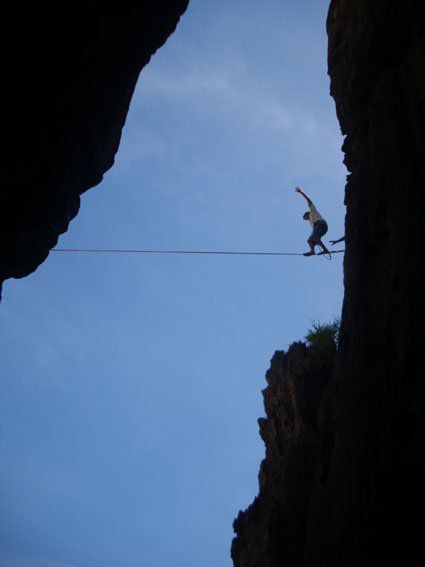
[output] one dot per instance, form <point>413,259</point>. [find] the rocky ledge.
<point>272,530</point>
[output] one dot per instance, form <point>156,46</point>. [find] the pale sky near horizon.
<point>131,385</point>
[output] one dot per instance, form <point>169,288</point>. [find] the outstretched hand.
<point>297,190</point>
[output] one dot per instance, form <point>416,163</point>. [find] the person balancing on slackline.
<point>318,223</point>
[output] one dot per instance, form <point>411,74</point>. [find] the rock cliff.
<point>69,72</point>
<point>365,504</point>
<point>272,531</point>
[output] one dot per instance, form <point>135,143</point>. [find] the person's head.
<point>306,216</point>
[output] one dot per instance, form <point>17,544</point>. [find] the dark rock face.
<point>70,73</point>
<point>272,530</point>
<point>370,490</point>
<point>365,504</point>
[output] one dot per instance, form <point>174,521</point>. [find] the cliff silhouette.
<point>70,75</point>
<point>351,491</point>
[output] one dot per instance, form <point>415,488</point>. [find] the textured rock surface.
<point>367,497</point>
<point>70,71</point>
<point>272,530</point>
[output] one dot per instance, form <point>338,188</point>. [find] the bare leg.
<point>312,252</point>
<point>323,247</point>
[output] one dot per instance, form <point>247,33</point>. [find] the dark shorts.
<point>320,228</point>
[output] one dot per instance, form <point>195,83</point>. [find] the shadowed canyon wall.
<point>365,502</point>
<point>70,72</point>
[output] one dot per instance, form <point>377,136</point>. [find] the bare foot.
<point>309,253</point>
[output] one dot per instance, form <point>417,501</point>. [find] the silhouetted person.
<point>318,224</point>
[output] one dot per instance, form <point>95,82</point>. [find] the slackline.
<point>211,252</point>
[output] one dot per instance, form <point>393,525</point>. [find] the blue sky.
<point>132,384</point>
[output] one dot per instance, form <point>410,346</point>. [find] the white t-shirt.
<point>314,215</point>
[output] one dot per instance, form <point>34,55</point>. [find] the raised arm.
<point>306,197</point>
